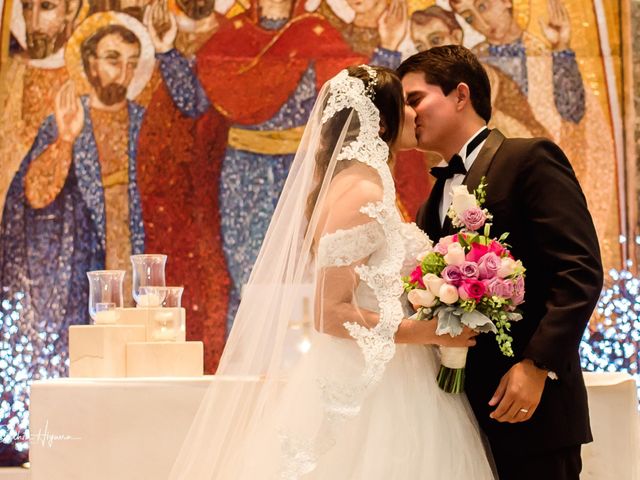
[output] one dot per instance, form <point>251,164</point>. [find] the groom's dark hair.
<point>448,66</point>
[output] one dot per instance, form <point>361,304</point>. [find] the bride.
<point>363,402</point>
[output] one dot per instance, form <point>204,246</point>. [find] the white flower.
<point>448,294</point>
<point>422,298</point>
<point>462,200</point>
<point>508,266</point>
<point>433,283</point>
<point>455,254</point>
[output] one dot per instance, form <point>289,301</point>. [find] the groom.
<point>533,406</point>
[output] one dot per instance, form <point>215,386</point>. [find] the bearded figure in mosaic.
<point>32,76</point>
<point>73,205</point>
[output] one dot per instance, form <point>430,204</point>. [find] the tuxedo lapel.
<point>431,218</point>
<point>483,161</point>
<point>478,170</point>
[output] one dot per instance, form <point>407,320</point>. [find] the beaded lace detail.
<point>344,247</point>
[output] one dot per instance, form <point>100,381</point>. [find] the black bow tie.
<point>454,167</point>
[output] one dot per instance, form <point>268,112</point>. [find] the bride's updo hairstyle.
<point>387,97</point>
<point>385,90</point>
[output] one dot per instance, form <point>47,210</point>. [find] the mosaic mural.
<point>169,126</point>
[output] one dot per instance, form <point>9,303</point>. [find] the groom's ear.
<point>463,96</point>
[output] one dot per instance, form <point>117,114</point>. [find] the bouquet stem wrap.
<point>452,363</point>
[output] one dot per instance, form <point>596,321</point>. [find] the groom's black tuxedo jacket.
<point>533,194</point>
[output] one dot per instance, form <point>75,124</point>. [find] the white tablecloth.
<point>132,428</point>
<point>113,429</point>
<point>614,453</point>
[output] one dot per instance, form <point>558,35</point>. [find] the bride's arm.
<point>347,238</point>
<point>335,306</point>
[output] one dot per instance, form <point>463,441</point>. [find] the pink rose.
<point>489,265</point>
<point>441,249</point>
<point>471,289</point>
<point>443,245</point>
<point>452,275</point>
<point>477,252</point>
<point>469,270</point>
<point>473,218</point>
<point>499,288</point>
<point>496,248</point>
<point>416,276</point>
<point>518,291</point>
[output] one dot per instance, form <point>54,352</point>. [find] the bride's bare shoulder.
<point>358,182</point>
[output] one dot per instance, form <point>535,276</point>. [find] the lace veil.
<point>335,246</point>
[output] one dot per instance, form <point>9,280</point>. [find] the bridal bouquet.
<point>467,279</point>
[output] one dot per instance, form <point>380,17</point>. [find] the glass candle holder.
<point>170,297</point>
<point>105,292</point>
<point>148,271</point>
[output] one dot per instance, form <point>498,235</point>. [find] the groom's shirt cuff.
<point>550,374</point>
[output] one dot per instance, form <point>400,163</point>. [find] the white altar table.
<point>132,428</point>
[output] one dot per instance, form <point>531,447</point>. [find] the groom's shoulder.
<point>527,142</point>
<point>532,152</point>
<point>526,147</point>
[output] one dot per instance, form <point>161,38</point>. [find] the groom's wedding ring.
<point>524,410</point>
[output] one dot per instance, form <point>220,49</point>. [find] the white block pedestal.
<point>162,324</point>
<point>100,350</point>
<point>157,359</point>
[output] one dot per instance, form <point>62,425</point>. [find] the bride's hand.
<point>466,339</point>
<point>427,334</point>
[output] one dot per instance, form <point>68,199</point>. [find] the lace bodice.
<point>368,242</point>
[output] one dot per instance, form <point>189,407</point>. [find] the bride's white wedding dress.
<point>356,406</point>
<point>407,428</point>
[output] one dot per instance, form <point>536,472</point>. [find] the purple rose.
<point>489,265</point>
<point>469,270</point>
<point>499,288</point>
<point>518,291</point>
<point>452,275</point>
<point>473,218</point>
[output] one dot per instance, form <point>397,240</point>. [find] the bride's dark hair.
<point>388,99</point>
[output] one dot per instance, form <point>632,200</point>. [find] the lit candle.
<point>149,300</point>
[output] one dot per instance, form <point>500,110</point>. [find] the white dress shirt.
<point>445,201</point>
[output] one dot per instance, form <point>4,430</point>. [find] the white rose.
<point>433,283</point>
<point>448,294</point>
<point>455,254</point>
<point>507,267</point>
<point>462,200</point>
<point>422,298</point>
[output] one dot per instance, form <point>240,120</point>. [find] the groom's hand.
<point>518,393</point>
